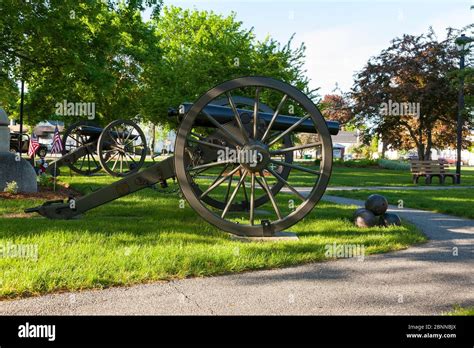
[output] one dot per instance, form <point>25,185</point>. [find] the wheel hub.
<point>255,156</point>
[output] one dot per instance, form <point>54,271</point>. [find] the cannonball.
<point>377,204</point>
<point>365,218</point>
<point>390,219</point>
<point>356,213</point>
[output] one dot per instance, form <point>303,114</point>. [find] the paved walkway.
<point>396,188</point>
<point>424,279</point>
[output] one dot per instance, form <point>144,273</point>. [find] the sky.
<point>340,36</point>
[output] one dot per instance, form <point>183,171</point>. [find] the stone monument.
<point>12,166</point>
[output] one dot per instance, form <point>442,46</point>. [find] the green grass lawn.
<point>459,311</point>
<point>454,202</point>
<point>146,236</point>
<point>343,176</point>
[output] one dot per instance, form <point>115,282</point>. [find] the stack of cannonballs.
<point>374,213</point>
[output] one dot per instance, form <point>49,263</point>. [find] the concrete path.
<point>425,279</point>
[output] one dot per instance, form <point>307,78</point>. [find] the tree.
<point>468,74</point>
<point>414,69</point>
<point>86,51</point>
<point>8,94</point>
<point>337,107</point>
<point>202,49</point>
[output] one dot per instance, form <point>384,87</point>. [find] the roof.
<point>345,137</point>
<point>42,130</point>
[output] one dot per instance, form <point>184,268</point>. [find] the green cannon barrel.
<point>224,114</point>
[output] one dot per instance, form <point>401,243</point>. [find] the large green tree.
<point>79,51</point>
<point>202,49</point>
<point>104,52</point>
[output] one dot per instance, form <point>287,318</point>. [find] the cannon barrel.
<point>224,114</point>
<point>96,131</point>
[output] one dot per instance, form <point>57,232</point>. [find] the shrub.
<point>395,165</point>
<point>359,163</point>
<point>45,180</point>
<point>12,187</point>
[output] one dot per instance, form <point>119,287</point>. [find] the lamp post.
<point>462,44</point>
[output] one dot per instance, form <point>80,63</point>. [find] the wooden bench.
<point>430,169</point>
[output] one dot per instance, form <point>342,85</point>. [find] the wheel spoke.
<point>133,139</point>
<point>88,162</point>
<point>127,154</point>
<point>294,148</point>
<point>226,209</point>
<point>201,171</point>
<point>290,129</point>
<point>115,163</point>
<point>112,156</point>
<point>291,188</point>
<point>218,182</point>
<point>77,141</point>
<point>126,161</point>
<point>264,185</point>
<point>217,178</point>
<point>113,149</point>
<point>252,198</point>
<point>120,135</point>
<point>205,143</point>
<point>224,130</point>
<point>82,162</point>
<point>229,186</point>
<point>244,189</point>
<point>208,165</point>
<point>128,136</point>
<point>95,162</point>
<point>275,115</point>
<point>114,139</point>
<point>237,117</point>
<point>295,166</point>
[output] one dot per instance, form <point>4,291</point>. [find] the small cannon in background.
<point>217,176</point>
<point>119,149</point>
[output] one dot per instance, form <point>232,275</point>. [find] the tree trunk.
<point>429,145</point>
<point>152,146</point>
<point>421,152</point>
<point>384,149</point>
<point>421,146</point>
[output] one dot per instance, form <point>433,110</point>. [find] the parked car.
<point>410,156</point>
<point>25,144</point>
<point>348,157</point>
<point>447,160</point>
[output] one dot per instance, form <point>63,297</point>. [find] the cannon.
<point>234,159</point>
<point>119,149</point>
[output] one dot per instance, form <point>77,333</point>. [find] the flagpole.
<point>54,179</point>
<point>55,148</point>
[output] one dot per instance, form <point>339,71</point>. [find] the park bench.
<point>430,169</point>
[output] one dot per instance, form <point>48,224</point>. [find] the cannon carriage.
<point>234,159</point>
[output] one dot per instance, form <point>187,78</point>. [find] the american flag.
<point>57,146</point>
<point>34,145</point>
